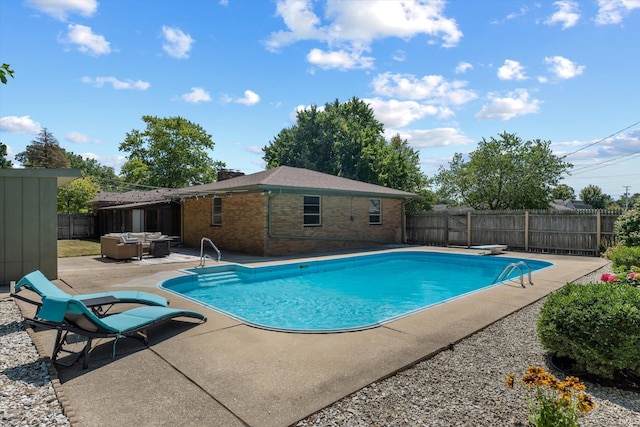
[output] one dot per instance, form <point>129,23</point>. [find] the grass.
<point>70,248</point>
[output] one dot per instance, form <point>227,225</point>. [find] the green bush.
<point>596,325</point>
<point>627,228</point>
<point>624,258</point>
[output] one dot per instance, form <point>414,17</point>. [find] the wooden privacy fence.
<point>580,232</point>
<point>76,226</point>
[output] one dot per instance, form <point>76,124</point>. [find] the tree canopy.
<point>171,152</point>
<point>504,173</point>
<point>563,192</point>
<point>4,162</point>
<point>5,70</point>
<point>101,175</point>
<point>44,152</point>
<point>593,195</point>
<point>73,197</point>
<point>346,140</point>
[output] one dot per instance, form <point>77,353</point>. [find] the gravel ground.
<point>27,397</point>
<point>460,387</point>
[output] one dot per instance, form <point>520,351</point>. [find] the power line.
<point>601,140</point>
<point>605,163</point>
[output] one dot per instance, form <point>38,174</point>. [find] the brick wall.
<point>243,223</point>
<point>246,224</point>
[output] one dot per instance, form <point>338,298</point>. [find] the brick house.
<point>289,210</point>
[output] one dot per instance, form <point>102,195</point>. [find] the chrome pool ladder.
<point>508,269</point>
<point>203,255</point>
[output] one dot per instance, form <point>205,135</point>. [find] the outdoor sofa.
<point>130,245</point>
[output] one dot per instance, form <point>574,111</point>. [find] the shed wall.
<point>29,224</point>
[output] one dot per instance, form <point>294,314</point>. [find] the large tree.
<point>593,195</point>
<point>4,162</point>
<point>503,173</point>
<point>346,140</point>
<point>171,152</point>
<point>44,152</point>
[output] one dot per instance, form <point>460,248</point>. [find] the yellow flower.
<point>510,379</point>
<point>585,404</point>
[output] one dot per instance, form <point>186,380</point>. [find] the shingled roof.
<point>283,179</point>
<point>289,179</point>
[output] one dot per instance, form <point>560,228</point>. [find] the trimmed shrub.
<point>596,325</point>
<point>624,258</point>
<point>627,228</point>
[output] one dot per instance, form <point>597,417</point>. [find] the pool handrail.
<point>504,274</point>
<point>203,255</point>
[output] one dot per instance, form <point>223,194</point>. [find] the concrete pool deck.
<point>223,373</point>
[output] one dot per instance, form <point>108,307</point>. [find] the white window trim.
<point>319,214</point>
<point>379,213</point>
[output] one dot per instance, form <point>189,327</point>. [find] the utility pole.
<point>626,196</point>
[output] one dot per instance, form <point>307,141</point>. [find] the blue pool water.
<point>350,293</point>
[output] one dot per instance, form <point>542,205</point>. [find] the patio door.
<point>137,220</point>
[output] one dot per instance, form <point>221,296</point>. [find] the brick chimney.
<point>228,174</point>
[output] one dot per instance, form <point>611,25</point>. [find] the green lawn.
<point>69,248</point>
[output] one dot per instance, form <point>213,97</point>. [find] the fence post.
<point>446,228</point>
<point>526,231</point>
<point>598,229</point>
<point>469,229</point>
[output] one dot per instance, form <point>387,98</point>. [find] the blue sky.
<point>442,74</point>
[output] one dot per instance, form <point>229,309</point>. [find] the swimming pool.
<point>342,294</point>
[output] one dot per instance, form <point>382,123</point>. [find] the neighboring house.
<point>289,210</point>
<point>29,222</point>
<point>559,204</point>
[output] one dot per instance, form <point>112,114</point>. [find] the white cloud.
<point>438,137</point>
<point>22,124</point>
<point>78,138</point>
<point>250,98</point>
<point>196,96</point>
<point>177,44</point>
<point>85,40</point>
<point>434,88</point>
<point>613,11</point>
<point>353,26</point>
<point>117,84</point>
<point>463,67</point>
<point>567,14</point>
<point>393,113</point>
<point>60,9</point>
<point>511,70</point>
<point>514,104</point>
<point>399,56</point>
<point>340,59</point>
<point>563,68</point>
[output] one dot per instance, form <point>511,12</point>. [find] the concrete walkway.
<point>223,373</point>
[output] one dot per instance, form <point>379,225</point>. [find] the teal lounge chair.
<point>69,315</point>
<point>99,302</point>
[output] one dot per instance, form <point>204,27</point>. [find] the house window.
<point>375,214</point>
<point>216,218</point>
<point>311,210</point>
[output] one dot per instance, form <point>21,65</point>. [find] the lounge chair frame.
<point>90,315</point>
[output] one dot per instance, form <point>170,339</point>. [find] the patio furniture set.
<point>135,245</point>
